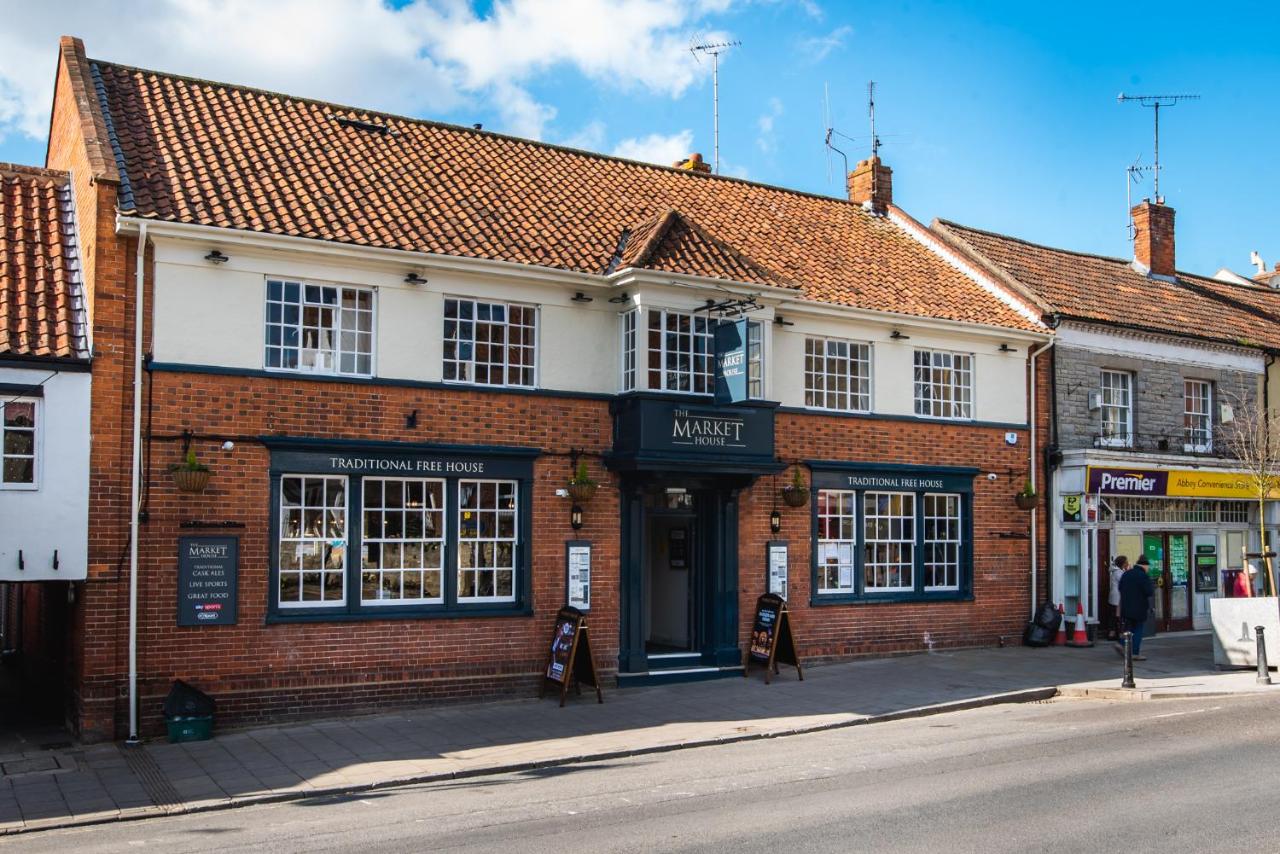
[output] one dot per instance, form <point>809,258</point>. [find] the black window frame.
<point>914,479</point>
<point>291,456</point>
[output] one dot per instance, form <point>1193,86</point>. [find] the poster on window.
<point>578,572</point>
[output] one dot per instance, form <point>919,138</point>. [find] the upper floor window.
<point>943,384</point>
<point>1117,409</point>
<point>1197,417</point>
<point>18,444</point>
<point>323,329</point>
<point>837,375</point>
<point>679,353</point>
<point>490,343</point>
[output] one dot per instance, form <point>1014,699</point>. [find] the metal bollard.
<point>1264,673</point>
<point>1127,682</point>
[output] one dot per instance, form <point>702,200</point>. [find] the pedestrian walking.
<point>1136,595</point>
<point>1118,566</point>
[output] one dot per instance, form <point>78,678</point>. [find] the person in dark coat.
<point>1136,592</point>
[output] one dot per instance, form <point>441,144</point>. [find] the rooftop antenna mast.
<point>1155,102</point>
<point>1133,174</point>
<point>871,111</point>
<point>826,115</point>
<point>714,49</point>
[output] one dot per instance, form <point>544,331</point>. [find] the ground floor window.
<point>898,532</point>
<point>417,545</point>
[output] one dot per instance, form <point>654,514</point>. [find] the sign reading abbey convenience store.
<point>1172,483</point>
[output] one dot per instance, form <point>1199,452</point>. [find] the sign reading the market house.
<point>207,580</point>
<point>731,361</point>
<point>656,432</point>
<point>707,430</point>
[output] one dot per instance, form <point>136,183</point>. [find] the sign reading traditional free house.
<point>207,580</point>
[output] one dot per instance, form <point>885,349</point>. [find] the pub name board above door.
<point>656,428</point>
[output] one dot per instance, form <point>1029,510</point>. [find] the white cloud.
<point>765,140</point>
<point>590,137</point>
<point>429,56</point>
<point>818,48</point>
<point>663,149</point>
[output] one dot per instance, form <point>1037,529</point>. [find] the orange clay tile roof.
<point>192,151</point>
<point>41,300</point>
<point>1083,287</point>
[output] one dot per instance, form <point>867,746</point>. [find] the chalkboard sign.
<point>570,661</point>
<point>771,642</point>
<point>207,580</point>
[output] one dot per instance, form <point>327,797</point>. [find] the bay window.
<point>679,352</point>
<point>490,343</point>
<point>315,328</point>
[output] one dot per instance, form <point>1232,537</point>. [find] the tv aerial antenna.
<point>871,112</point>
<point>714,49</point>
<point>1155,102</point>
<point>830,132</point>
<point>1133,175</point>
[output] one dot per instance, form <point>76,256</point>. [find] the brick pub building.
<point>390,340</point>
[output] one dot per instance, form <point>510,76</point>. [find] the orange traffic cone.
<point>1080,636</point>
<point>1061,639</point>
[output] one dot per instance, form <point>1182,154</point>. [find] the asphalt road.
<point>1167,776</point>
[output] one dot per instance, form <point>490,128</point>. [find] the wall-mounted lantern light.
<point>897,335</point>
<point>575,517</point>
<point>216,257</point>
<point>775,521</point>
<point>414,279</point>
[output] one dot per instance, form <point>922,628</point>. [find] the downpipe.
<point>1035,514</point>
<point>135,502</point>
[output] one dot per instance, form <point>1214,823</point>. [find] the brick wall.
<point>1158,396</point>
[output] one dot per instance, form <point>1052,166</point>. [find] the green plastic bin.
<point>190,728</point>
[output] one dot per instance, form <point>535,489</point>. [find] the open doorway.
<point>670,574</point>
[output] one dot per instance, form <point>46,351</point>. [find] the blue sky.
<point>998,115</point>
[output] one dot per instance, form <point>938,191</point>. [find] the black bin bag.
<point>187,701</point>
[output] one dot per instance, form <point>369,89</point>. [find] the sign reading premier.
<point>1180,483</point>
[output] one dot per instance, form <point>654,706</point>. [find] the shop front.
<point>681,469</point>
<point>1198,529</point>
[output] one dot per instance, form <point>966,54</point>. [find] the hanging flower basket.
<point>190,475</point>
<point>797,494</point>
<point>1026,501</point>
<point>581,493</point>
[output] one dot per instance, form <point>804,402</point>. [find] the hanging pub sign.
<point>207,580</point>
<point>570,660</point>
<point>771,642</point>
<point>731,361</point>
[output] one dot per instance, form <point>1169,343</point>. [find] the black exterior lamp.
<point>216,257</point>
<point>775,521</point>
<point>575,517</point>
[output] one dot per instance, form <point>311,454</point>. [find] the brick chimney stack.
<point>1153,236</point>
<point>871,185</point>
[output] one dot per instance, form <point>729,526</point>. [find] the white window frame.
<point>1124,440</point>
<point>37,431</point>
<point>870,543</point>
<point>845,498</point>
<point>341,600</point>
<point>707,355</point>
<point>851,380</point>
<point>441,539</point>
<point>1190,414</point>
<point>955,565</point>
<point>514,540</point>
<point>630,355</point>
<point>507,367</point>
<point>957,402</point>
<point>757,360</point>
<point>341,313</point>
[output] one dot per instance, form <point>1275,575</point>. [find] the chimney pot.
<point>870,184</point>
<point>693,163</point>
<point>1153,237</point>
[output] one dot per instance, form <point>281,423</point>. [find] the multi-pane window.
<point>942,541</point>
<point>323,329</point>
<point>755,360</point>
<point>489,343</point>
<point>403,541</point>
<point>943,384</point>
<point>1197,416</point>
<point>837,539</point>
<point>486,540</point>
<point>837,375</point>
<point>888,531</point>
<point>1117,408</point>
<point>313,540</point>
<point>629,350</point>
<point>18,443</point>
<point>681,347</point>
